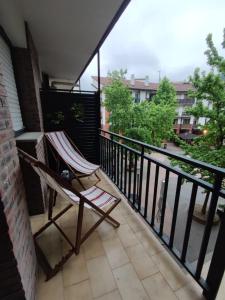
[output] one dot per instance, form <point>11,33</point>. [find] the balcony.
<point>186,102</point>
<point>159,251</point>
<point>126,263</point>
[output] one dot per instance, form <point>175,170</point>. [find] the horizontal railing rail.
<point>167,197</point>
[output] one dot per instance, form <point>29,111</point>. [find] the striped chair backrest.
<point>68,153</point>
<point>47,175</point>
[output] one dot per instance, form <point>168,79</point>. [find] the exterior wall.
<point>26,68</point>
<point>20,254</point>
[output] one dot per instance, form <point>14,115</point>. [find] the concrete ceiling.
<point>66,32</point>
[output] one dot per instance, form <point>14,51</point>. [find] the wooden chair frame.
<point>76,174</point>
<point>79,240</point>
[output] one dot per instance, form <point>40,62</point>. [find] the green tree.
<point>209,92</point>
<point>152,122</point>
<point>118,102</point>
<point>149,121</point>
<point>211,87</point>
<point>166,93</point>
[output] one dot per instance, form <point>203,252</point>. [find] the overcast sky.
<point>161,35</point>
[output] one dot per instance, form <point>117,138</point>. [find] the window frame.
<point>6,39</point>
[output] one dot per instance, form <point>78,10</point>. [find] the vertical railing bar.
<point>107,156</point>
<point>135,178</point>
<point>164,203</point>
<point>114,162</point>
<point>125,174</point>
<point>141,177</point>
<point>175,210</point>
<point>217,265</point>
<point>121,168</point>
<point>189,221</point>
<point>155,195</point>
<point>147,188</point>
<point>110,158</point>
<point>103,154</point>
<point>117,163</point>
<point>130,174</point>
<point>209,223</point>
<point>100,148</point>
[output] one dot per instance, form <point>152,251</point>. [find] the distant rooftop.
<point>143,84</point>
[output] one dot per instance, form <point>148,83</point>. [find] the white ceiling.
<point>66,32</point>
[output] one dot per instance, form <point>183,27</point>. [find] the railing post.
<point>217,266</point>
<point>141,177</point>
<point>209,223</point>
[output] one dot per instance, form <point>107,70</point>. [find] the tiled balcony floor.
<point>125,263</point>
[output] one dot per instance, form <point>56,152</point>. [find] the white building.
<point>142,89</point>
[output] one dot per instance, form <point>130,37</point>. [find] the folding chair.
<point>67,151</point>
<point>93,198</point>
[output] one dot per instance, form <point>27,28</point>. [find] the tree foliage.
<point>166,93</point>
<point>211,87</point>
<point>118,102</point>
<point>149,122</point>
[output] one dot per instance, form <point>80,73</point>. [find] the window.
<point>186,121</point>
<point>175,121</point>
<point>136,96</point>
<point>147,95</point>
<point>10,85</point>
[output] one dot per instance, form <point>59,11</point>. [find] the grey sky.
<point>165,35</point>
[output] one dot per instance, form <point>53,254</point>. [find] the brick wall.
<point>27,74</point>
<point>28,81</point>
<point>17,250</point>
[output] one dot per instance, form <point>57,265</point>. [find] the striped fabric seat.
<point>95,194</point>
<point>69,154</point>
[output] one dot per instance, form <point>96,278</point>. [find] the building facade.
<point>142,89</point>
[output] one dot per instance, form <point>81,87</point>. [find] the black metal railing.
<point>156,190</point>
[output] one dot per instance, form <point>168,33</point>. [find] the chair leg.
<point>104,216</point>
<point>98,178</point>
<point>50,203</point>
<point>81,183</point>
<point>79,226</point>
<point>108,219</point>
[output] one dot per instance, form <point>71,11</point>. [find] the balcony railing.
<point>138,175</point>
<point>186,102</point>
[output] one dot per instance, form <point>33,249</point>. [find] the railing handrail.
<point>194,162</point>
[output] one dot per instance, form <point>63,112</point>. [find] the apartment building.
<point>142,89</point>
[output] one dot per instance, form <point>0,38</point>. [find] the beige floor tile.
<point>75,270</point>
<point>127,236</point>
<point>150,243</point>
<point>170,270</point>
<point>101,277</point>
<point>142,263</point>
<point>50,241</point>
<point>106,231</point>
<point>80,291</point>
<point>115,252</point>
<point>157,288</point>
<point>130,286</point>
<point>69,219</point>
<point>118,216</point>
<point>93,246</point>
<point>115,295</point>
<point>191,291</point>
<point>134,223</point>
<point>52,289</point>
